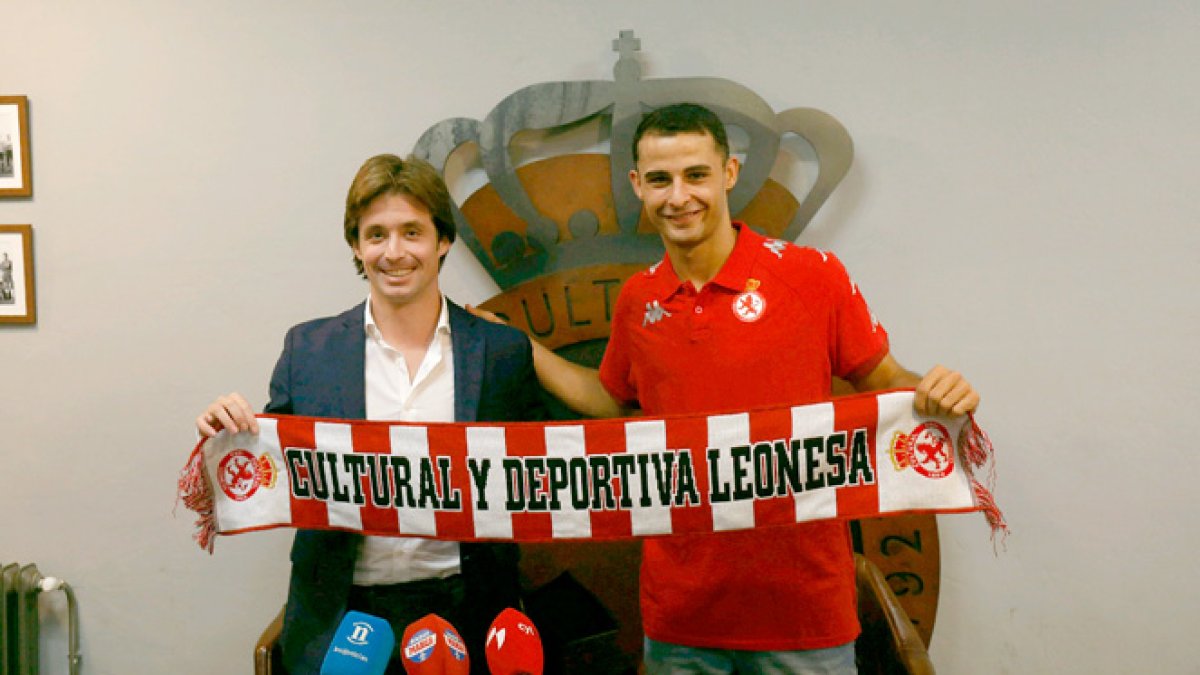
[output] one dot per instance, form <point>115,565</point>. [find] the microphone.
<point>433,647</point>
<point>513,645</point>
<point>362,645</point>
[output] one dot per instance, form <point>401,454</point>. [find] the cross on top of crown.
<point>626,44</point>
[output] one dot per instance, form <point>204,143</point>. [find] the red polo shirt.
<point>770,330</point>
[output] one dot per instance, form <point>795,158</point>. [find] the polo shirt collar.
<point>732,275</point>
<point>736,270</point>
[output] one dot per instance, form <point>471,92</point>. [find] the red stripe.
<point>767,427</point>
<point>692,432</point>
<point>602,438</point>
<point>376,440</point>
<point>298,433</point>
<point>529,441</point>
<point>451,441</point>
<point>849,414</point>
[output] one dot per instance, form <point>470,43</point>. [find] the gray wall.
<point>1022,207</point>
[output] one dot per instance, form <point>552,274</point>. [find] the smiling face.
<point>399,247</point>
<point>683,181</point>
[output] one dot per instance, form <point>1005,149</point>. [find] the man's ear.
<point>732,168</point>
<point>636,181</point>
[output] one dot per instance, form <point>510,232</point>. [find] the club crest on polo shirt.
<point>654,313</point>
<point>420,645</point>
<point>750,305</point>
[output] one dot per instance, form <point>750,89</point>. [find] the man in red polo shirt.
<point>731,320</point>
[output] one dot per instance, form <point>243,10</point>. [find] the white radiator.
<point>20,586</point>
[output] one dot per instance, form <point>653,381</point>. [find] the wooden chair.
<point>267,654</point>
<point>889,643</point>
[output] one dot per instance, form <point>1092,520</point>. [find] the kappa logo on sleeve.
<point>776,246</point>
<point>928,450</point>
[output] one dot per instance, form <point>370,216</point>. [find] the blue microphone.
<point>362,645</point>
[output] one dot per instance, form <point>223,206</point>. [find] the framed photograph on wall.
<point>16,274</point>
<point>14,147</point>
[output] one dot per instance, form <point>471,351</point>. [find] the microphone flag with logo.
<point>362,645</point>
<point>513,645</point>
<point>431,646</point>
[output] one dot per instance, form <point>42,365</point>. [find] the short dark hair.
<point>390,175</point>
<point>682,118</point>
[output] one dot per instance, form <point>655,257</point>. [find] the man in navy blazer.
<point>405,354</point>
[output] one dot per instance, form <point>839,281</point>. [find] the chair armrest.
<point>268,644</point>
<point>908,646</point>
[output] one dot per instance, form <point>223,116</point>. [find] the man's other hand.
<point>486,315</point>
<point>945,392</point>
<point>230,412</point>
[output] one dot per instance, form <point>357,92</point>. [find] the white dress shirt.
<point>395,394</point>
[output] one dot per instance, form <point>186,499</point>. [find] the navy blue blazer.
<point>321,374</point>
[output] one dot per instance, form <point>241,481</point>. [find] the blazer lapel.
<point>346,364</point>
<point>468,363</point>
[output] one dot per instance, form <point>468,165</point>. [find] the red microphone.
<point>431,646</point>
<point>513,645</point>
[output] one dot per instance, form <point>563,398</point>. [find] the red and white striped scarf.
<point>854,457</point>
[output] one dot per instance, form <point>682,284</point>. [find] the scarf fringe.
<point>995,517</point>
<point>977,446</point>
<point>979,453</point>
<point>195,491</point>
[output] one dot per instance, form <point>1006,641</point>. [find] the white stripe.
<point>643,437</point>
<point>809,421</point>
<point>567,442</point>
<point>331,437</point>
<point>488,443</point>
<point>276,501</point>
<point>412,442</point>
<point>724,432</point>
